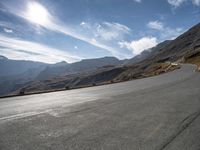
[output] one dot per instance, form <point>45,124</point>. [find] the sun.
<point>36,13</point>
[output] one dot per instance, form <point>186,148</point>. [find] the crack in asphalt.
<point>185,123</point>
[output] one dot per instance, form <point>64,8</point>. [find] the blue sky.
<point>70,30</point>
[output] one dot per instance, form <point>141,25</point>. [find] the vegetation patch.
<point>142,72</point>
<point>194,59</point>
<point>160,68</point>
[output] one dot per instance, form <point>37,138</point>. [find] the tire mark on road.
<point>182,127</point>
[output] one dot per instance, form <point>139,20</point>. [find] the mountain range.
<point>36,76</point>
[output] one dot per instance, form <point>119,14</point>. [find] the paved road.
<point>157,113</point>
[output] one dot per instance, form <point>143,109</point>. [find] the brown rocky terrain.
<point>160,59</point>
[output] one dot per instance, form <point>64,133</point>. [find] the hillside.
<point>77,67</point>
<point>15,74</point>
<point>182,47</point>
<point>9,67</point>
<point>90,72</point>
<point>147,53</point>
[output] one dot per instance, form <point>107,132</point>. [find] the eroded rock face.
<point>198,68</point>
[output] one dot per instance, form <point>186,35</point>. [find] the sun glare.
<point>37,13</point>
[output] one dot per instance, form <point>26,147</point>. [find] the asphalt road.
<point>156,113</point>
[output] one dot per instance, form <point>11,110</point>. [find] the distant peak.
<point>62,63</point>
<point>3,58</point>
<point>101,58</point>
<point>109,57</point>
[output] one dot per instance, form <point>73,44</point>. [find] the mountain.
<point>181,48</point>
<point>151,62</point>
<point>89,72</point>
<point>172,50</point>
<point>3,58</point>
<point>15,73</point>
<point>147,53</point>
<point>77,67</point>
<point>184,49</point>
<point>53,70</point>
<point>10,67</point>
<point>60,64</point>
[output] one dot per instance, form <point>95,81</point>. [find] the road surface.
<point>156,113</point>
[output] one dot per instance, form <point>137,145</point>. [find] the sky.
<point>51,31</point>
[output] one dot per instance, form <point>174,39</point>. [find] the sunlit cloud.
<point>177,3</point>
<point>20,49</point>
<point>137,46</point>
<point>196,2</point>
<point>106,31</point>
<point>70,32</point>
<point>165,32</point>
<point>37,13</point>
<point>156,25</point>
<point>55,25</point>
<point>85,25</point>
<point>138,1</point>
<point>8,30</point>
<point>171,34</point>
<point>111,31</point>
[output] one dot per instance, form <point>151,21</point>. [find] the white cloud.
<point>8,30</point>
<point>80,32</point>
<point>155,25</point>
<point>57,26</point>
<point>26,50</point>
<point>82,23</point>
<point>75,47</point>
<point>85,25</point>
<point>176,3</point>
<point>170,33</point>
<point>137,46</point>
<point>105,31</point>
<point>91,40</point>
<point>110,31</point>
<point>16,27</point>
<point>196,2</point>
<point>165,32</point>
<point>117,26</point>
<point>138,1</point>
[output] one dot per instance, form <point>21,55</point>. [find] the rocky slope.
<point>77,67</point>
<point>185,48</point>
<point>16,74</point>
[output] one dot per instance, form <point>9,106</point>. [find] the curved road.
<point>156,113</point>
